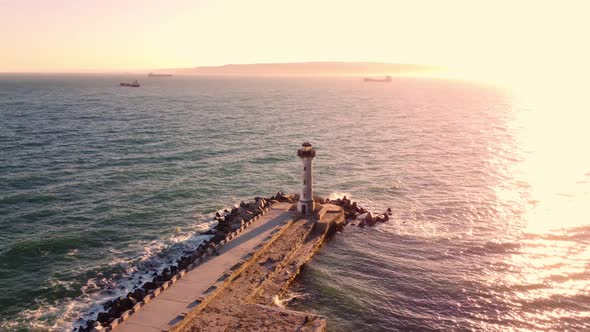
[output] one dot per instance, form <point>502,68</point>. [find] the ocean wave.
<point>124,275</point>
<point>493,247</point>
<point>28,197</point>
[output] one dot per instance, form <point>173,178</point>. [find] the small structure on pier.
<point>306,205</point>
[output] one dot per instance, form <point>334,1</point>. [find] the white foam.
<point>71,313</point>
<point>335,195</point>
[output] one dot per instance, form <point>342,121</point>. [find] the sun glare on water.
<point>552,132</point>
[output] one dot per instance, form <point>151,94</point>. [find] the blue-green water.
<point>100,185</point>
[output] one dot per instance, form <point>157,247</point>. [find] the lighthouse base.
<point>306,207</point>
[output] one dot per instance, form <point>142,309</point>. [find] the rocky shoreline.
<point>352,211</point>
<point>229,221</point>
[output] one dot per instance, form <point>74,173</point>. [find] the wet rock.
<point>107,304</point>
<point>124,304</point>
<point>90,324</point>
<point>149,285</point>
<point>139,294</point>
<point>369,218</point>
<point>103,317</point>
<point>132,299</point>
<point>220,235</point>
<point>166,276</point>
<point>183,263</point>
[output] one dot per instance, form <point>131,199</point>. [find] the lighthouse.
<point>306,205</point>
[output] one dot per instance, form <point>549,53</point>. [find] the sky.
<point>486,37</point>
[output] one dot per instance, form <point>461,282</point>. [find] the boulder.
<point>124,304</point>
<point>369,218</point>
<point>139,294</point>
<point>219,236</point>
<point>90,324</point>
<point>132,299</point>
<point>114,312</point>
<point>149,285</point>
<point>103,317</point>
<point>107,304</point>
<point>349,214</point>
<point>166,276</point>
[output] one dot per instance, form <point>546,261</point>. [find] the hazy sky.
<point>99,35</point>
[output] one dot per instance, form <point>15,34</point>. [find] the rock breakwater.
<point>229,223</point>
<point>352,212</point>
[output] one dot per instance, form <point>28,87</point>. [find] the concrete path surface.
<point>168,308</point>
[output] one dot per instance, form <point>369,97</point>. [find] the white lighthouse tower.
<point>306,204</point>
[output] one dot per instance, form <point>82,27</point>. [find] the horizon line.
<point>146,70</point>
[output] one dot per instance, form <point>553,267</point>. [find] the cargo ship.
<point>387,79</point>
<point>134,84</point>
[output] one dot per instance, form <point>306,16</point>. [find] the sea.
<point>101,185</point>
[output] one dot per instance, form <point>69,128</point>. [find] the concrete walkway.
<point>167,309</point>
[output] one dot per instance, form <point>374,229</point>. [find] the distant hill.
<point>307,69</point>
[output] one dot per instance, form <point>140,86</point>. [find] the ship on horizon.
<point>386,79</point>
<point>159,75</point>
<point>134,84</point>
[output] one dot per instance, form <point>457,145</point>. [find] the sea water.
<point>102,185</point>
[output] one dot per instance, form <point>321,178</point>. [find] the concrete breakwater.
<point>284,259</point>
<point>230,222</point>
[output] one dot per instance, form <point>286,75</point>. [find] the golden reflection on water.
<point>553,133</point>
<point>551,130</point>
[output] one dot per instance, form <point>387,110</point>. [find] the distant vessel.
<point>134,84</point>
<point>159,75</point>
<point>387,79</point>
